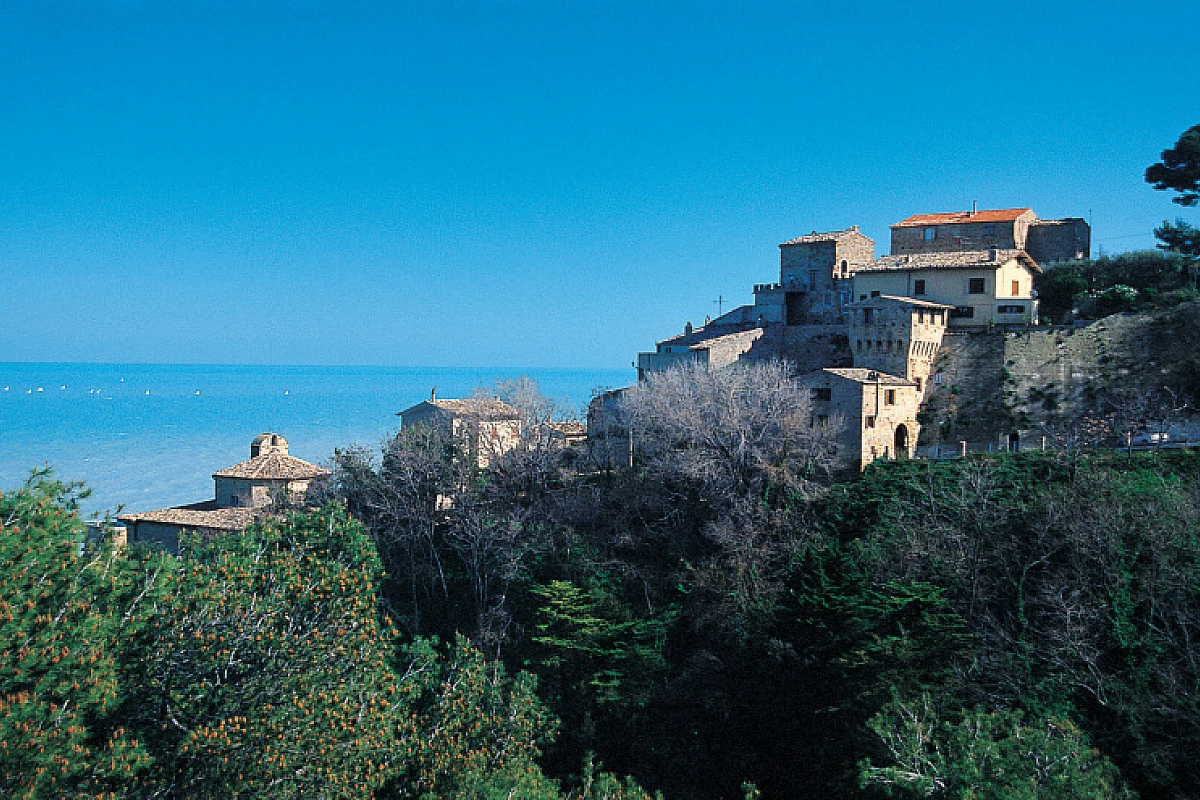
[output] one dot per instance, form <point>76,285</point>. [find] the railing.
<point>953,450</point>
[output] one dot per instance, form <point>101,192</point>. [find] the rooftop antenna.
<point>720,301</point>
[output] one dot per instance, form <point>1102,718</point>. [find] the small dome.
<point>267,443</point>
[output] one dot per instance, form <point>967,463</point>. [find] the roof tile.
<point>963,217</point>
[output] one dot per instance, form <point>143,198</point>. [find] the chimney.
<point>687,329</point>
<point>974,207</point>
<point>433,394</point>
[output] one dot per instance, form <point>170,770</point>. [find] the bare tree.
<point>727,459</point>
<point>744,427</point>
<point>533,461</point>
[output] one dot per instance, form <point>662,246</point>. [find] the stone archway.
<point>901,442</point>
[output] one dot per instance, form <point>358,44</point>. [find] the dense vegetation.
<point>718,616</point>
<point>724,620</point>
<point>1138,281</point>
<point>258,665</point>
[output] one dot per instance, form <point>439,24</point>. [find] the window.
<point>859,344</point>
<point>874,294</point>
<point>919,286</point>
<point>975,286</point>
<point>1016,288</point>
<point>889,397</point>
<point>825,394</point>
<point>989,230</point>
<point>1010,310</point>
<point>862,297</point>
<point>919,386</point>
<point>921,316</point>
<point>930,234</point>
<point>867,314</point>
<point>963,312</point>
<point>869,422</point>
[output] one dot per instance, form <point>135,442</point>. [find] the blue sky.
<point>528,184</point>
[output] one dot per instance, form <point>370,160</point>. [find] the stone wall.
<point>991,384</point>
<point>855,251</point>
<point>811,347</point>
<point>898,338</point>
<point>961,236</point>
<point>1059,240</point>
<point>724,350</point>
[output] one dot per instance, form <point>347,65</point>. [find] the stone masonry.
<point>869,352</point>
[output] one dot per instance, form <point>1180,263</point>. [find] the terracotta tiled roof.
<point>829,236</point>
<point>911,301</point>
<point>961,217</point>
<point>199,515</point>
<point>273,466</point>
<point>956,259</point>
<point>476,407</point>
<point>863,375</point>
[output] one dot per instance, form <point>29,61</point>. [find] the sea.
<point>148,436</point>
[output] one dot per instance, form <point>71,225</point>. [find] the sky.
<point>528,184</point>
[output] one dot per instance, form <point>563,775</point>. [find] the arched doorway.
<point>901,442</point>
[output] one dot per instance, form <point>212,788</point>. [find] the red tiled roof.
<point>961,217</point>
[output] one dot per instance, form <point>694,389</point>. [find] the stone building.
<point>486,426</point>
<point>814,278</point>
<point>269,479</point>
<point>715,345</point>
<point>898,336</point>
<point>1006,229</point>
<point>985,287</point>
<point>836,304</point>
<point>878,412</point>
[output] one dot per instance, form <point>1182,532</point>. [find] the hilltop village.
<point>865,332</point>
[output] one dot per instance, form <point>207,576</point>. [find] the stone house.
<point>984,287</point>
<point>1045,240</point>
<point>814,278</point>
<point>245,492</point>
<point>486,426</point>
<point>878,410</point>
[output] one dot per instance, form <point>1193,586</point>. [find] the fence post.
<point>963,447</point>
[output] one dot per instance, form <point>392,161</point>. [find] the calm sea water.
<point>147,436</point>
